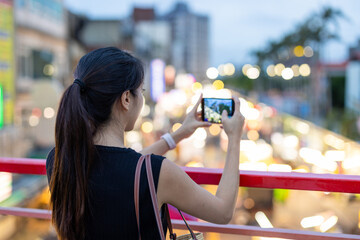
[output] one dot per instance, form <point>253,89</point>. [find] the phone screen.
<point>212,108</point>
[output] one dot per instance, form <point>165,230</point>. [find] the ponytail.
<point>74,153</point>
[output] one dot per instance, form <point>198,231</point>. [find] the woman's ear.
<point>125,100</point>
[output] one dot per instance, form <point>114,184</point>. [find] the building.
<point>76,48</point>
<point>352,86</point>
<point>151,35</point>
<point>190,41</point>
<point>343,80</point>
<point>42,68</point>
<point>101,33</point>
<point>180,38</point>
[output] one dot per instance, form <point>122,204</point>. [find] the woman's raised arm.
<point>178,189</point>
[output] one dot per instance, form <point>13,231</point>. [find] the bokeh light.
<point>253,135</point>
<point>270,70</point>
<point>34,121</point>
<point>184,81</point>
<point>200,134</point>
<point>308,52</point>
<point>199,143</point>
<point>218,84</point>
<point>253,73</point>
<point>279,168</point>
<point>146,110</point>
<point>290,141</point>
<point>229,69</point>
<point>334,141</point>
<point>221,69</point>
<point>279,68</point>
<point>305,70</point>
<point>170,74</point>
<point>194,164</point>
<point>36,112</point>
<point>49,112</point>
<point>147,127</point>
<point>48,70</point>
<point>287,74</point>
<point>249,203</point>
<point>335,155</point>
<point>299,51</point>
<point>196,86</point>
<point>295,69</point>
<point>212,73</point>
<point>245,68</point>
<point>214,129</point>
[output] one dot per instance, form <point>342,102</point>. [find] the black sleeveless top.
<point>111,184</point>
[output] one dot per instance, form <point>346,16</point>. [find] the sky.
<point>238,27</point>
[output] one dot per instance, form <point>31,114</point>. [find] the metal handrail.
<point>257,179</point>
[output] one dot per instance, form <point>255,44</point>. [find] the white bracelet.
<point>169,140</point>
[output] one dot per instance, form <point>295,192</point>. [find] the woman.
<point>91,172</point>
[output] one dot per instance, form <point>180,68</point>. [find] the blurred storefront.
<point>42,68</point>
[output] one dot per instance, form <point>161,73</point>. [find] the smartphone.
<point>212,108</point>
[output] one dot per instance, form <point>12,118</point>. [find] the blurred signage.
<point>157,78</point>
<point>1,107</point>
<point>7,61</point>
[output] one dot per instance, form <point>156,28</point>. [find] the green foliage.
<point>343,122</point>
<point>315,30</point>
<point>240,82</point>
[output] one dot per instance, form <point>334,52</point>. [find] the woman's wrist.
<point>172,139</point>
<point>234,138</point>
<point>177,135</point>
<point>169,140</point>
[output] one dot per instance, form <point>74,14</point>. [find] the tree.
<point>315,31</point>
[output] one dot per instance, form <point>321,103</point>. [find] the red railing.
<point>293,180</point>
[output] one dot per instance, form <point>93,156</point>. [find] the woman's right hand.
<point>233,126</point>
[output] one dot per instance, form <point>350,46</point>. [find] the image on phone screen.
<point>213,107</point>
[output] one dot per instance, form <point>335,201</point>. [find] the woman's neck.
<point>110,136</point>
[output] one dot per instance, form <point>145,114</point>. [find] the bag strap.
<point>136,191</point>
<point>153,194</point>
<point>172,234</point>
<point>187,225</point>
<point>150,178</point>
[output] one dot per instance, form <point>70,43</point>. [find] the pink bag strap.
<point>150,178</point>
<point>136,191</point>
<point>153,194</point>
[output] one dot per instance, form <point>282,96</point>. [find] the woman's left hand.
<point>192,121</point>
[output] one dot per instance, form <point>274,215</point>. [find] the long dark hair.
<point>107,73</point>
